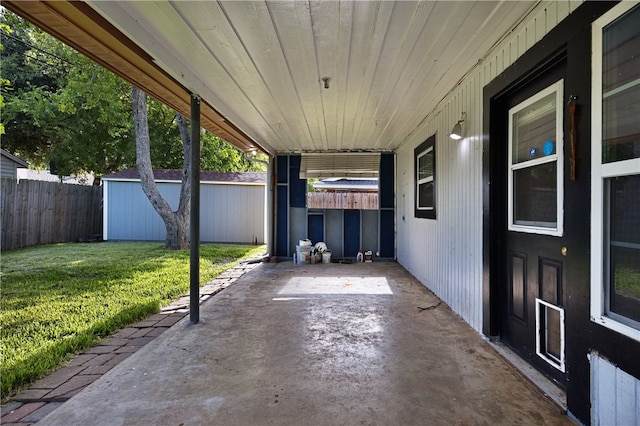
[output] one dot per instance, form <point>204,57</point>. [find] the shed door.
<point>534,267</point>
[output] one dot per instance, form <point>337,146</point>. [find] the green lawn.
<point>59,299</point>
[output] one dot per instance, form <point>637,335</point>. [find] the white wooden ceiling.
<point>261,64</point>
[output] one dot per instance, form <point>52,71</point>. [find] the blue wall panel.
<point>282,222</point>
<point>282,168</point>
<point>386,200</point>
<point>386,181</point>
<point>351,233</point>
<point>297,186</point>
<point>316,227</point>
<point>387,234</point>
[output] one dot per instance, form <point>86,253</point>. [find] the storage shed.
<point>232,206</point>
<point>9,164</point>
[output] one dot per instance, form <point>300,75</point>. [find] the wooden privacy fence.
<point>37,212</point>
<point>342,200</point>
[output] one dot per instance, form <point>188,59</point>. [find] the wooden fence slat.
<point>25,197</point>
<point>342,200</point>
<point>37,212</point>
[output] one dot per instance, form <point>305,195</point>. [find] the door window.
<point>535,163</point>
<point>615,221</point>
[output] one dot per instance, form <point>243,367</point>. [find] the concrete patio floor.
<point>322,344</point>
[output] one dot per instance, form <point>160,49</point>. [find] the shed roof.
<point>205,176</point>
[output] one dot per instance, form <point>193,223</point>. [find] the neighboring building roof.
<point>46,176</point>
<point>345,184</point>
<point>10,156</point>
<point>163,175</point>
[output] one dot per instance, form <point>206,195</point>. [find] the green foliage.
<point>60,299</point>
<point>66,109</point>
<point>35,77</point>
<point>310,183</point>
<point>166,145</point>
<point>4,30</point>
<point>259,164</point>
<point>98,131</point>
<point>220,156</point>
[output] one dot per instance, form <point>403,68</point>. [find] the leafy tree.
<point>98,132</point>
<point>33,81</point>
<point>220,156</point>
<point>166,148</point>
<point>63,108</point>
<point>4,29</point>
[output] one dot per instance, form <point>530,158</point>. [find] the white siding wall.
<point>615,394</point>
<point>446,254</point>
<point>228,213</point>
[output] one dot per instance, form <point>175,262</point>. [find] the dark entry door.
<point>534,254</point>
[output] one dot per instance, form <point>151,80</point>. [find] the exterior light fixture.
<point>456,132</point>
<point>326,81</point>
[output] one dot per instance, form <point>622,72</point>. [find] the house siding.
<point>617,393</point>
<point>445,254</point>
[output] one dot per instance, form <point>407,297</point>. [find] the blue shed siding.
<point>232,213</point>
<point>228,213</point>
<point>130,216</point>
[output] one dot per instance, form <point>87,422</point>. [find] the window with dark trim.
<point>425,179</point>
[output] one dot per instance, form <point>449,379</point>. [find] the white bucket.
<point>326,257</point>
<point>303,255</point>
<point>305,243</point>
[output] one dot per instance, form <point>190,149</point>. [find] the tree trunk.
<point>185,188</point>
<point>176,223</point>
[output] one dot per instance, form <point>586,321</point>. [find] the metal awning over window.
<point>364,165</point>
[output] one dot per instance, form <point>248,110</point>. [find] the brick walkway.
<point>49,393</point>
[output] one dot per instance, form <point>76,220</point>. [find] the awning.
<point>364,165</point>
